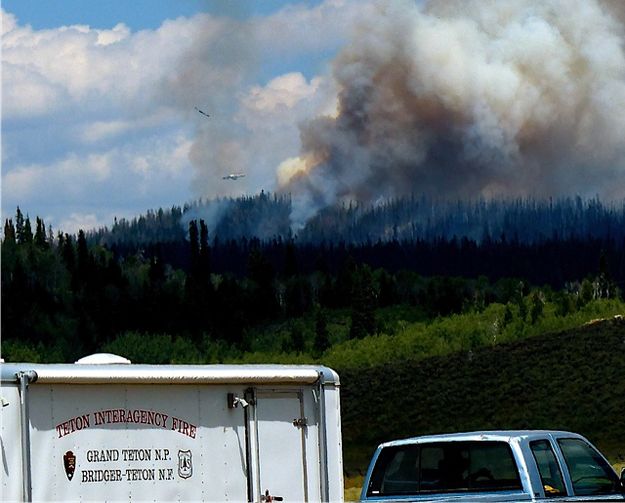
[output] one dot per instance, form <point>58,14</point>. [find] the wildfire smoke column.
<point>470,98</point>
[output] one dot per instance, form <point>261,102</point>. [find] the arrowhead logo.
<point>69,462</point>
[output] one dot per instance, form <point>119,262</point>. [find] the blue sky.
<point>136,14</point>
<point>98,98</point>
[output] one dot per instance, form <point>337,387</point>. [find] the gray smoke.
<point>471,98</point>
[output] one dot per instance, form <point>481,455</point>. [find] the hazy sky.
<point>331,101</point>
<point>98,99</point>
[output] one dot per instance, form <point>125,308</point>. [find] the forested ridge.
<point>461,319</point>
<point>267,216</point>
<point>168,273</point>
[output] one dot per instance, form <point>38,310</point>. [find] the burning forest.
<point>470,99</point>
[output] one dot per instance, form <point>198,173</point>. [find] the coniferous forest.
<point>357,288</point>
<point>173,272</point>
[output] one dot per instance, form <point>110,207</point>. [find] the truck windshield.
<point>590,473</point>
<point>465,466</point>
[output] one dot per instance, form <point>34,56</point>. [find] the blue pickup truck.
<point>492,466</point>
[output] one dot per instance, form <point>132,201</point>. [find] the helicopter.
<point>203,113</point>
<point>233,176</point>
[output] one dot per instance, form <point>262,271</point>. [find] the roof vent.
<point>103,359</point>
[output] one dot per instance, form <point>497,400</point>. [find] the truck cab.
<point>492,466</point>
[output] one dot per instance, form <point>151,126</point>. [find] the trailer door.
<point>281,426</point>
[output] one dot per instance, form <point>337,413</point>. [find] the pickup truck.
<point>492,466</point>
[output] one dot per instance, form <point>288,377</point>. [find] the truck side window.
<point>493,467</point>
<point>550,473</point>
<point>452,466</point>
<point>468,467</point>
<point>590,474</point>
<point>444,467</point>
<point>396,472</point>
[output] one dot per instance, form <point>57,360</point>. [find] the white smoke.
<point>471,98</point>
<point>257,77</point>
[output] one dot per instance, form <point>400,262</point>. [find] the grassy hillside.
<point>570,380</point>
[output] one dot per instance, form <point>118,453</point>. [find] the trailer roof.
<point>170,374</point>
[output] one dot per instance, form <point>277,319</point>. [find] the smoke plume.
<point>470,98</point>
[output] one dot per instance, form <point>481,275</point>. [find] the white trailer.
<point>104,429</point>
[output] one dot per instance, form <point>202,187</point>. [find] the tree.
<point>520,300</point>
<point>19,225</point>
<point>204,256</point>
<point>156,272</point>
<point>50,236</point>
<point>507,316</point>
<point>388,295</point>
<point>194,297</point>
<point>66,246</point>
<point>322,339</point>
<point>27,233</point>
<point>585,293</point>
<point>363,304</point>
<point>605,284</point>
<point>230,311</point>
<point>40,234</point>
<point>261,273</point>
<point>290,261</point>
<point>564,303</point>
<point>297,296</point>
<point>9,232</point>
<point>537,303</point>
<point>344,285</point>
<point>522,308</point>
<point>83,265</point>
<point>194,245</point>
<point>297,337</point>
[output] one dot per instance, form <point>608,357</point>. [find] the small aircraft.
<point>203,113</point>
<point>233,176</point>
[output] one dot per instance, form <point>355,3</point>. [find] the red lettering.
<point>99,417</point>
<point>182,426</point>
<point>137,416</point>
<point>74,424</point>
